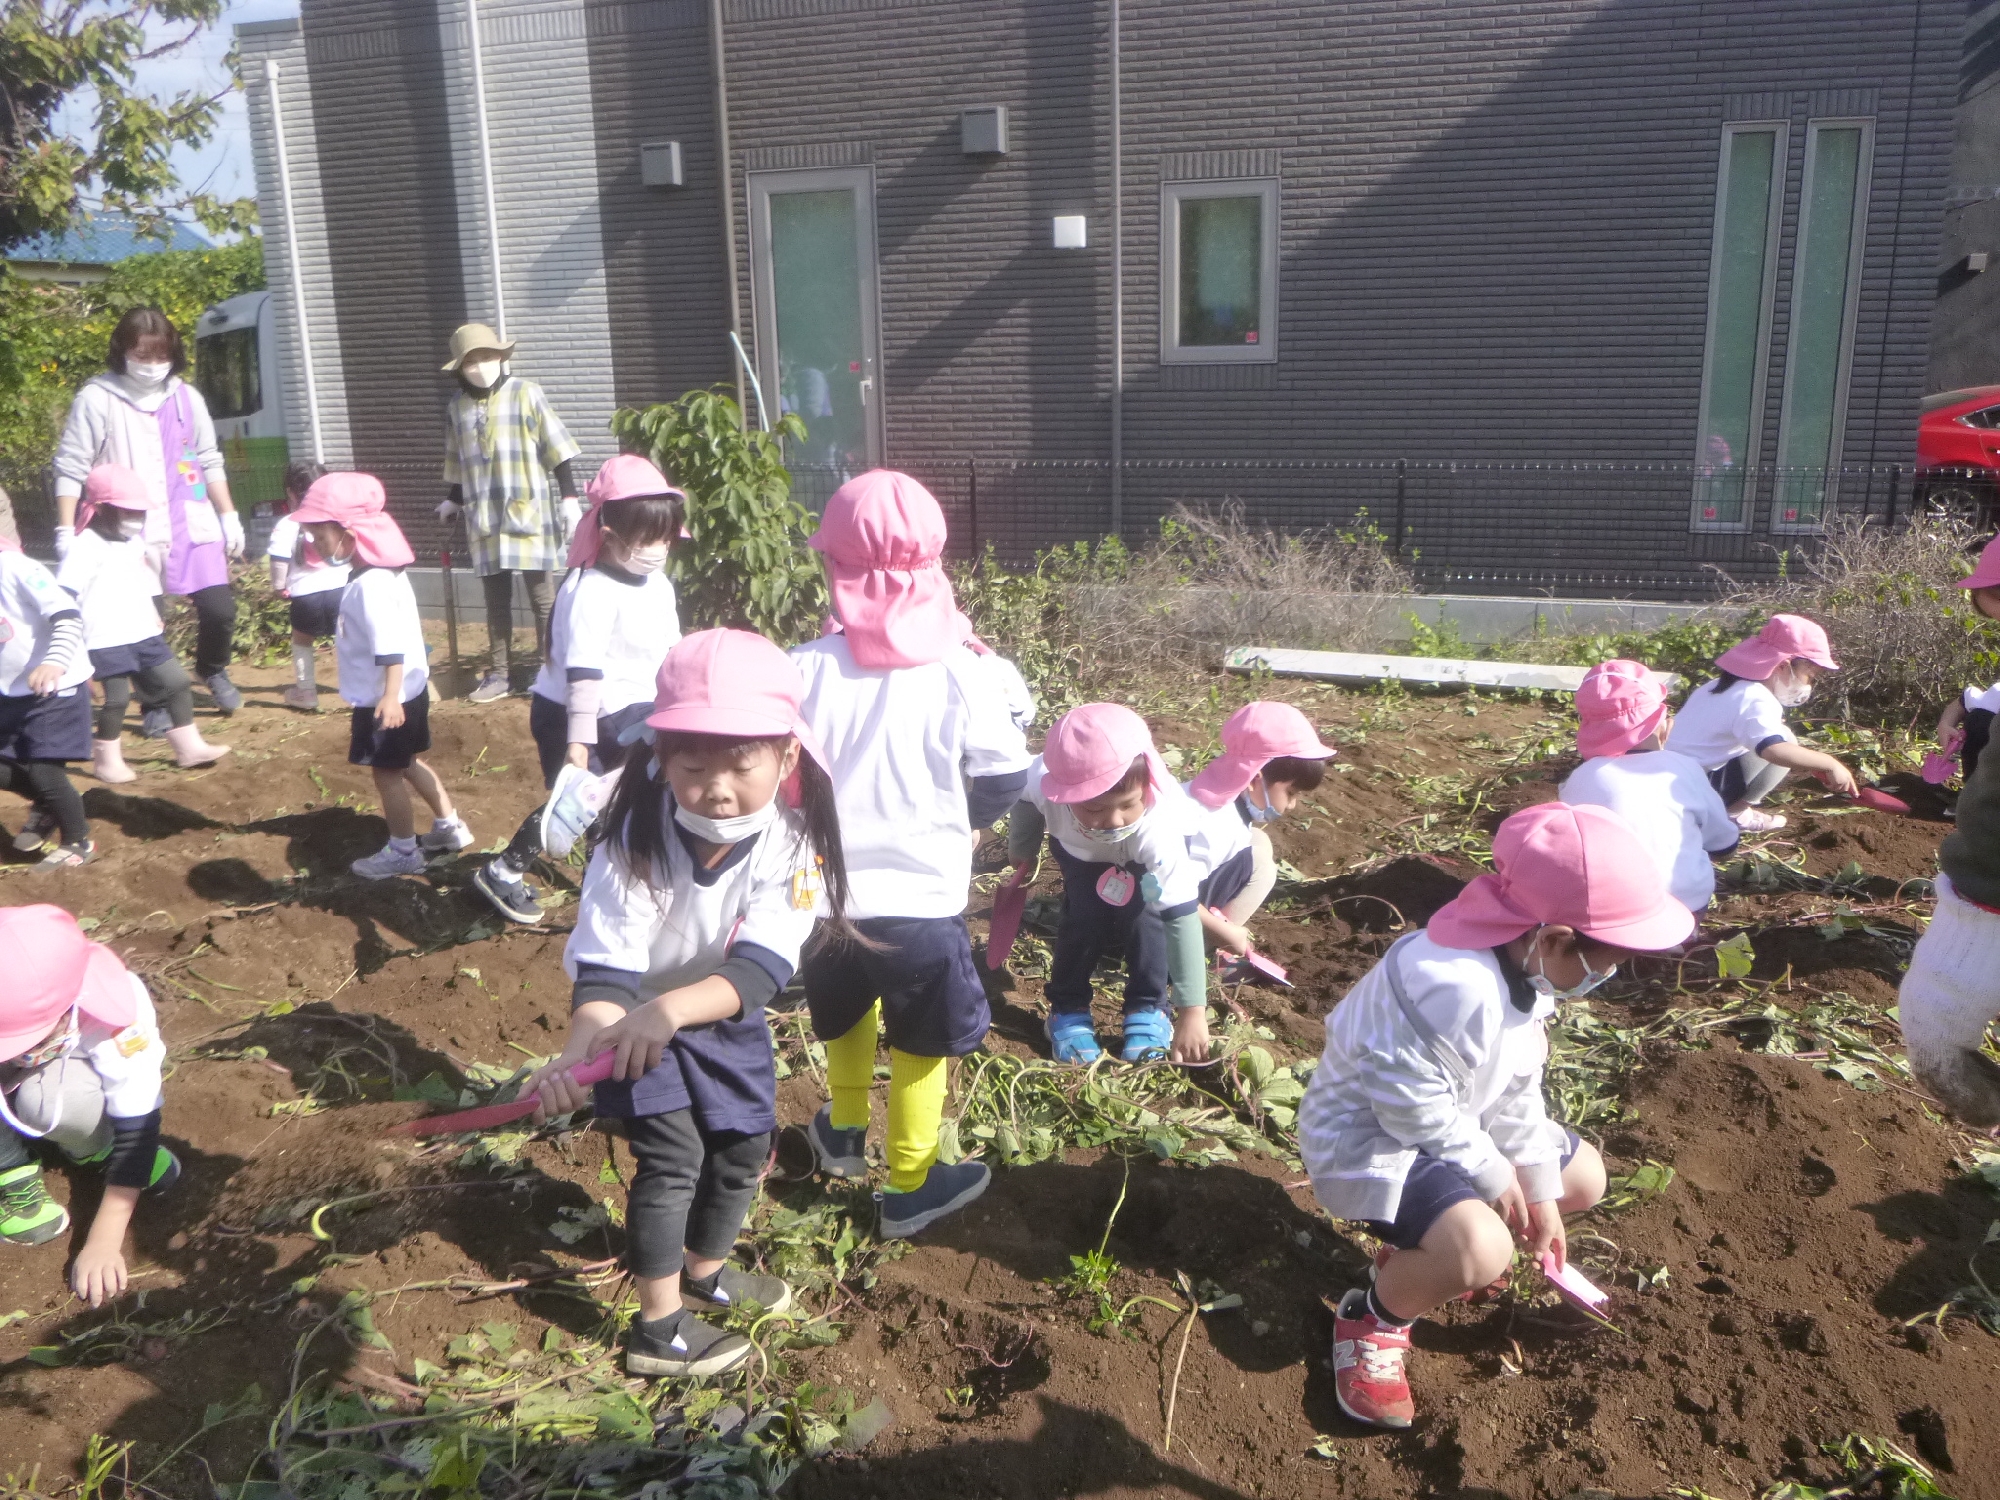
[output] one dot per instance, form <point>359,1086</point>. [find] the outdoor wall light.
<point>982,130</point>
<point>660,164</point>
<point>1071,232</point>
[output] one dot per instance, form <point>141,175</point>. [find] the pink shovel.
<point>1942,763</point>
<point>596,1070</point>
<point>1010,902</point>
<point>1576,1289</point>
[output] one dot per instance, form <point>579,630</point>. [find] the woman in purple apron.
<point>142,415</point>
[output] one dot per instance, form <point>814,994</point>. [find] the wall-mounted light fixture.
<point>982,130</point>
<point>1973,264</point>
<point>660,164</point>
<point>1071,232</point>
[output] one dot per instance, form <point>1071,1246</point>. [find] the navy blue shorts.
<point>1433,1186</point>
<point>1226,881</point>
<point>317,615</point>
<point>138,656</point>
<point>53,728</point>
<point>933,1004</point>
<point>368,744</point>
<point>548,722</point>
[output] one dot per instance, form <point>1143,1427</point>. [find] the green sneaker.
<point>28,1216</point>
<point>166,1167</point>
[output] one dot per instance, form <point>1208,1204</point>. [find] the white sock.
<point>404,846</point>
<point>444,825</point>
<point>302,665</point>
<point>501,871</point>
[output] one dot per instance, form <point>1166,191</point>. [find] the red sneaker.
<point>1490,1293</point>
<point>1368,1377</point>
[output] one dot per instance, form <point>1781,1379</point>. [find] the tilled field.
<point>1771,1291</point>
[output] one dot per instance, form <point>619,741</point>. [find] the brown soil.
<point>1808,1219</point>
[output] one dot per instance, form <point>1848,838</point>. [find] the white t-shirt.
<point>1158,845</point>
<point>1219,834</point>
<point>114,586</point>
<point>303,580</point>
<point>1987,698</point>
<point>1007,681</point>
<point>620,630</point>
<point>378,626</point>
<point>1714,728</point>
<point>127,1061</point>
<point>1664,798</point>
<point>899,744</point>
<point>29,599</point>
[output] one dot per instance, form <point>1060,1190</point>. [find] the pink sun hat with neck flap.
<point>1558,865</point>
<point>53,967</point>
<point>1255,735</point>
<point>1089,750</point>
<point>882,535</point>
<point>1986,572</point>
<point>733,684</point>
<point>116,485</point>
<point>626,477</point>
<point>356,503</point>
<point>1618,704</point>
<point>1782,638</point>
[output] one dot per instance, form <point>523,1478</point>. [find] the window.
<point>225,372</point>
<point>1986,416</point>
<point>1833,208</point>
<point>1219,271</point>
<point>1749,193</point>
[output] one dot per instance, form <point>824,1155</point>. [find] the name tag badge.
<point>1116,887</point>
<point>130,1042</point>
<point>6,630</point>
<point>806,886</point>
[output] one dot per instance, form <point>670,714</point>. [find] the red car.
<point>1958,455</point>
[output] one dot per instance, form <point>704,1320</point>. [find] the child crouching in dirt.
<point>44,707</point>
<point>1425,1120</point>
<point>384,669</point>
<point>310,582</point>
<point>1733,725</point>
<point>80,1060</point>
<point>1622,723</point>
<point>723,842</point>
<point>1271,757</point>
<point>1121,825</point>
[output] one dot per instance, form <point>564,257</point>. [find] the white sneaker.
<point>1756,820</point>
<point>490,688</point>
<point>388,861</point>
<point>447,836</point>
<point>574,803</point>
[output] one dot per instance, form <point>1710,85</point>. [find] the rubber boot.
<point>107,761</point>
<point>191,750</point>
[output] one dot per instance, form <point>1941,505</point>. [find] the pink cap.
<point>626,477</point>
<point>51,967</point>
<point>355,502</point>
<point>1618,704</point>
<point>116,485</point>
<point>1985,572</point>
<point>734,684</point>
<point>1089,750</point>
<point>1782,638</point>
<point>1578,867</point>
<point>882,534</point>
<point>1255,735</point>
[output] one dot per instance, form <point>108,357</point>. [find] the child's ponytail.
<point>822,820</point>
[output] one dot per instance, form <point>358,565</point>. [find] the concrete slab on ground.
<point>1360,668</point>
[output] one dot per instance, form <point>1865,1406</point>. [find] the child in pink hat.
<point>1271,757</point>
<point>44,707</point>
<point>1425,1119</point>
<point>614,619</point>
<point>110,572</point>
<point>384,669</point>
<point>1663,796</point>
<point>1120,824</point>
<point>1733,725</point>
<point>722,846</point>
<point>923,750</point>
<point>80,1068</point>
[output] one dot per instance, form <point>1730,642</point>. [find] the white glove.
<point>448,510</point>
<point>571,511</point>
<point>64,536</point>
<point>232,533</point>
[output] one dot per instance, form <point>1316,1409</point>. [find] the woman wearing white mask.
<point>614,620</point>
<point>1734,724</point>
<point>142,416</point>
<point>502,442</point>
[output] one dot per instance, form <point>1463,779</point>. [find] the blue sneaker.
<point>840,1153</point>
<point>1148,1034</point>
<point>1070,1038</point>
<point>946,1190</point>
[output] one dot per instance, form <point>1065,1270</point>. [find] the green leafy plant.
<point>747,564</point>
<point>1868,1465</point>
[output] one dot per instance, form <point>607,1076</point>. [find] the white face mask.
<point>1541,984</point>
<point>727,830</point>
<point>148,374</point>
<point>484,373</point>
<point>645,560</point>
<point>1796,690</point>
<point>1110,835</point>
<point>131,526</point>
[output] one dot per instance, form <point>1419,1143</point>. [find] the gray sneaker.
<point>223,691</point>
<point>840,1153</point>
<point>490,688</point>
<point>731,1286</point>
<point>154,723</point>
<point>681,1344</point>
<point>945,1191</point>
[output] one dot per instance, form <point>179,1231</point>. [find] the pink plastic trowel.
<point>1576,1289</point>
<point>1942,763</point>
<point>1010,903</point>
<point>583,1075</point>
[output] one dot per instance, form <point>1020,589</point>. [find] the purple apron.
<point>191,564</point>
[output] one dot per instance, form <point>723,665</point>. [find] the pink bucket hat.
<point>53,966</point>
<point>882,534</point>
<point>355,502</point>
<point>1089,750</point>
<point>1782,638</point>
<point>731,683</point>
<point>1986,572</point>
<point>1579,867</point>
<point>626,477</point>
<point>1618,704</point>
<point>114,484</point>
<point>1256,734</point>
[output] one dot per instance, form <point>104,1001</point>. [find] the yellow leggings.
<point>916,1099</point>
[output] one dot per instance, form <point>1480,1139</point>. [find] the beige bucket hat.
<point>468,337</point>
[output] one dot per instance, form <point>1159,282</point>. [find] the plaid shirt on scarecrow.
<point>500,449</point>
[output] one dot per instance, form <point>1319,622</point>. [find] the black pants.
<point>499,590</point>
<point>1090,925</point>
<point>1978,729</point>
<point>165,685</point>
<point>46,783</point>
<point>215,629</point>
<point>692,1192</point>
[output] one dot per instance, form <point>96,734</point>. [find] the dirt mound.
<point>323,1157</point>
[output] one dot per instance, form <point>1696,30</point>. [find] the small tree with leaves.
<point>747,565</point>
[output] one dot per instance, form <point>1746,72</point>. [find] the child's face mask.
<point>131,525</point>
<point>1113,817</point>
<point>1541,984</point>
<point>644,560</point>
<point>1790,686</point>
